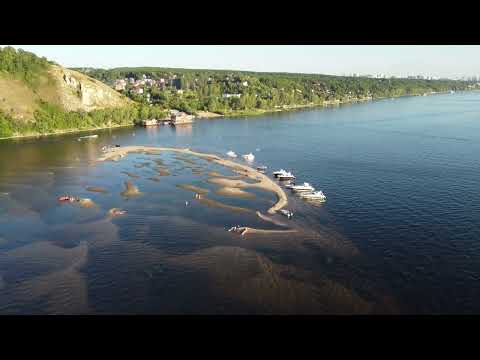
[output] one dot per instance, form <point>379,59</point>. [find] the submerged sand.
<point>130,190</point>
<point>96,189</point>
<point>163,172</point>
<point>86,203</point>
<point>234,192</point>
<point>263,181</point>
<point>220,205</point>
<point>218,175</point>
<point>193,188</point>
<point>132,175</point>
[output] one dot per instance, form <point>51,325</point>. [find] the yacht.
<point>317,195</point>
<point>231,154</point>
<point>305,187</point>
<point>286,176</point>
<point>279,172</point>
<point>249,157</point>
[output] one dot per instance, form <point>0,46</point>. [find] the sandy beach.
<point>262,181</point>
<point>208,114</point>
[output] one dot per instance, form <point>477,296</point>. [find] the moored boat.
<point>286,176</point>
<point>88,137</point>
<point>249,157</point>
<point>279,172</point>
<point>317,195</point>
<point>287,213</point>
<point>231,154</point>
<point>305,187</point>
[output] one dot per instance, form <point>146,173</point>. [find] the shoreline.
<point>63,132</point>
<point>264,182</point>
<point>238,113</point>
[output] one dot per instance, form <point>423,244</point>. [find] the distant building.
<point>120,85</point>
<point>150,122</point>
<point>245,83</point>
<point>137,90</point>
<point>180,118</point>
<point>231,95</point>
<point>180,91</point>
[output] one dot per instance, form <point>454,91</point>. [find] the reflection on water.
<point>378,245</point>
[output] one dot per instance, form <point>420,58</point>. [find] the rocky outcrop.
<point>80,92</point>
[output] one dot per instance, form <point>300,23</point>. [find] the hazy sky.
<point>449,61</point>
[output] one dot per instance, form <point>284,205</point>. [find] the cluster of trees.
<point>204,89</point>
<point>22,65</point>
<point>50,118</point>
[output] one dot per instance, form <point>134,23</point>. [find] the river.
<point>399,232</point>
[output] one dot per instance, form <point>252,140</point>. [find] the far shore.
<point>233,113</point>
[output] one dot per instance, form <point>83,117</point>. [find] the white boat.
<point>231,154</point>
<point>302,188</point>
<point>249,157</point>
<point>88,137</point>
<point>317,195</point>
<point>279,172</point>
<point>286,176</point>
<point>452,92</point>
<point>287,213</point>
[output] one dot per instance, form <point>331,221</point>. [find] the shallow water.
<point>398,234</point>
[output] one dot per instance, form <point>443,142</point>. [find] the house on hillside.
<point>137,90</point>
<point>120,85</point>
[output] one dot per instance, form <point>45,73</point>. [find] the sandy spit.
<point>264,182</point>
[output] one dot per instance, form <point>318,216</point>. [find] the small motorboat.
<point>317,195</point>
<point>287,213</point>
<point>231,154</point>
<point>249,157</point>
<point>87,137</point>
<point>261,168</point>
<point>286,176</point>
<point>305,187</point>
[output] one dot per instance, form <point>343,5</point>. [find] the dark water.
<point>399,232</point>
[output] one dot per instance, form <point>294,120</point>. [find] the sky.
<point>392,60</point>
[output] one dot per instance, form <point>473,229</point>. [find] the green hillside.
<point>40,97</point>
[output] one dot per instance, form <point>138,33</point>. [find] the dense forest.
<point>227,91</point>
<point>22,65</point>
<point>51,118</point>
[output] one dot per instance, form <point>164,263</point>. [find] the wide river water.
<point>399,232</point>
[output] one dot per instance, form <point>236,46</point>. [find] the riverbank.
<point>237,113</point>
<point>64,132</point>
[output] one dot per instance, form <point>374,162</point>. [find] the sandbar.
<point>193,188</point>
<point>264,182</point>
<point>235,192</point>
